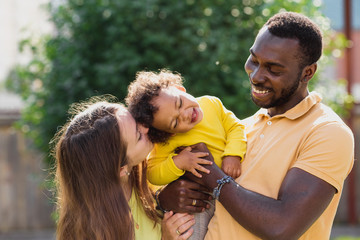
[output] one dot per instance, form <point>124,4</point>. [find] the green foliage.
<point>99,45</point>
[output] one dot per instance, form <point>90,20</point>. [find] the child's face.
<point>178,111</point>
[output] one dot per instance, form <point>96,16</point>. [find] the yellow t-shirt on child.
<point>219,129</point>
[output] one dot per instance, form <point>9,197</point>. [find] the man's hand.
<point>179,196</point>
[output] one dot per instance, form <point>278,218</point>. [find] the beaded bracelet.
<point>220,182</point>
<point>158,202</point>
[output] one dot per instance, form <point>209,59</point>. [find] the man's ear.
<point>181,88</point>
<point>124,171</point>
<point>309,72</point>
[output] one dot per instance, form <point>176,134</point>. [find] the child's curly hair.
<point>142,91</point>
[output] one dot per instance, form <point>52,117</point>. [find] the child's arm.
<point>235,134</point>
<point>231,166</point>
<point>161,169</point>
<point>188,161</point>
<point>161,165</point>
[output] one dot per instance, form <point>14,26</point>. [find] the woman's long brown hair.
<point>89,153</point>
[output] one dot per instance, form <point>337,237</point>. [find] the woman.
<point>102,188</point>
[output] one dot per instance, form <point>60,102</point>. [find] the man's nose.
<point>257,75</point>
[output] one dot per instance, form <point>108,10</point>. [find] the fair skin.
<point>138,147</point>
<point>274,72</point>
<point>179,112</point>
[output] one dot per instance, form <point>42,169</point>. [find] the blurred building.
<point>348,67</point>
<point>24,200</point>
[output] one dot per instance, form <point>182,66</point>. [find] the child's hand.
<point>186,160</point>
<point>231,166</point>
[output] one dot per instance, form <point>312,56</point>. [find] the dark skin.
<point>178,196</point>
<point>273,70</point>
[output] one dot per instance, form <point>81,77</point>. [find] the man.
<point>299,151</point>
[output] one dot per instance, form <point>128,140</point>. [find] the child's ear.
<point>181,88</point>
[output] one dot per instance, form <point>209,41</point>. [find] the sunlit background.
<point>26,204</point>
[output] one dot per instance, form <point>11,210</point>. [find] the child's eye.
<point>181,102</point>
<point>176,122</point>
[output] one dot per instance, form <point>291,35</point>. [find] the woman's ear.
<point>181,88</point>
<point>124,171</point>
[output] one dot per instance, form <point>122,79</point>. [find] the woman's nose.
<point>143,129</point>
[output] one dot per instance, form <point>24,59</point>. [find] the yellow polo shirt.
<point>220,130</point>
<point>309,136</point>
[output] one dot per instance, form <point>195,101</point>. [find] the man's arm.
<point>302,199</point>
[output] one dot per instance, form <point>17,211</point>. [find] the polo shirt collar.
<point>300,109</point>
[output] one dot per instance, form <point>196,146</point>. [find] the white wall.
<point>19,19</point>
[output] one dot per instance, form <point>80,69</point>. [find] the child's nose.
<point>184,116</point>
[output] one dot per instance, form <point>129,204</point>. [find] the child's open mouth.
<point>194,115</point>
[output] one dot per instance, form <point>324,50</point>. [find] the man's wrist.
<point>220,183</point>
<point>157,200</point>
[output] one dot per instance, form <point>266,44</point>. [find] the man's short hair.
<point>297,26</point>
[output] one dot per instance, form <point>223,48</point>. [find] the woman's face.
<point>138,143</point>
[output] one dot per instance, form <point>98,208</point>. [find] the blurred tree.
<point>99,45</point>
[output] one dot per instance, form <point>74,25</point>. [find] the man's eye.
<point>274,72</point>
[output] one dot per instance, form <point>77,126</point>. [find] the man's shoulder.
<point>322,121</point>
<point>324,114</point>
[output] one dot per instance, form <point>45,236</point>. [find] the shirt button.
<point>262,136</point>
<point>269,123</point>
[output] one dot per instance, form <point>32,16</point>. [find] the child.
<point>175,119</point>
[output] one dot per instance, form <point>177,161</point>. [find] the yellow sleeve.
<point>161,167</point>
<point>235,134</point>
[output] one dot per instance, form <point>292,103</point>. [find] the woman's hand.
<point>177,226</point>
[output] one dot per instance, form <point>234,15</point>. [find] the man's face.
<point>274,72</point>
